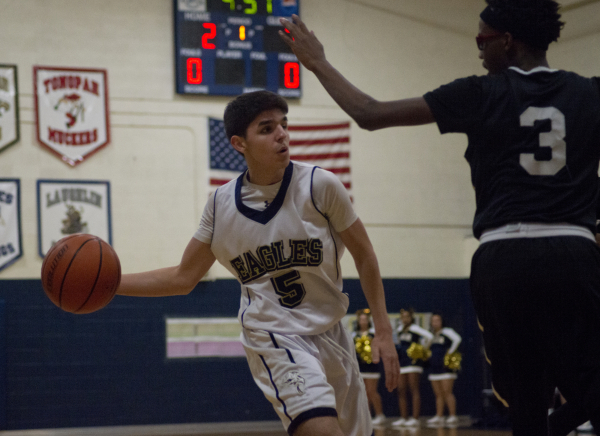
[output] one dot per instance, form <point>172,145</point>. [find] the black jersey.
<point>534,144</point>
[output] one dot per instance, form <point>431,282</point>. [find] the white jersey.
<point>286,256</point>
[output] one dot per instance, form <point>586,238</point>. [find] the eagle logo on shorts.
<point>293,378</point>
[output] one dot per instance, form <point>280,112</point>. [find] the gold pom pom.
<point>452,361</point>
<point>417,352</point>
<point>363,348</point>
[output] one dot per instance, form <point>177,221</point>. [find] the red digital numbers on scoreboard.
<point>291,75</point>
<point>212,33</point>
<point>194,71</point>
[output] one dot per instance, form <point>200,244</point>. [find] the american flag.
<point>324,145</point>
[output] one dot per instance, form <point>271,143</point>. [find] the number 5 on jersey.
<point>288,287</point>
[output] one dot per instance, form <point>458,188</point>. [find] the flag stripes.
<point>324,145</point>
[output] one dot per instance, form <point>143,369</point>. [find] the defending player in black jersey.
<point>533,147</point>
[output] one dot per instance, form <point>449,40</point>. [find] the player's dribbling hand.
<point>303,42</point>
<point>384,350</point>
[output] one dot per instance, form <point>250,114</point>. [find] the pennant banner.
<point>72,206</point>
<point>10,222</point>
<point>324,145</point>
<point>71,111</point>
<point>9,106</point>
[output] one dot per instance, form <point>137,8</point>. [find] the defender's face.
<point>493,52</point>
<point>267,141</point>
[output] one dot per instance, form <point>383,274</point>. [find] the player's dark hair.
<point>534,22</point>
<point>242,110</point>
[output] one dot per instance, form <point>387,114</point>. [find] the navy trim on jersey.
<point>214,211</point>
<point>312,175</point>
<point>275,387</point>
<point>249,302</point>
<point>309,414</point>
<point>263,216</point>
<point>289,353</point>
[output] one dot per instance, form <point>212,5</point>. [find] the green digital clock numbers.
<point>250,7</point>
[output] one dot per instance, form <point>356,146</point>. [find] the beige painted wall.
<point>411,185</point>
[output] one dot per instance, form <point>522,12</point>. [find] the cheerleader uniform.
<point>446,341</point>
<point>367,368</point>
<point>414,334</point>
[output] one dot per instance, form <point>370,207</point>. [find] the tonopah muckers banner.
<point>71,111</point>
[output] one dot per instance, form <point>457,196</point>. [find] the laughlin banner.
<point>71,111</point>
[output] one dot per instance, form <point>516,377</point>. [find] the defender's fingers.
<point>296,19</point>
<point>286,38</point>
<point>287,24</point>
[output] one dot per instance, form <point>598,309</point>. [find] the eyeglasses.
<point>481,39</point>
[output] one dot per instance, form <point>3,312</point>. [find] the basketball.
<point>81,273</point>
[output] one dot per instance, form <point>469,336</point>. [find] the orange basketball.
<point>81,273</point>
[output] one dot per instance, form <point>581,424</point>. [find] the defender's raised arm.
<point>368,113</point>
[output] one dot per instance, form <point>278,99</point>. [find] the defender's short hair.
<point>242,110</point>
<point>534,22</point>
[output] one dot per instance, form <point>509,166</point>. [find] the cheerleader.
<point>412,351</point>
<point>444,364</point>
<point>363,336</point>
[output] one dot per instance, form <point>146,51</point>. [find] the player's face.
<point>436,322</point>
<point>493,50</point>
<point>266,146</point>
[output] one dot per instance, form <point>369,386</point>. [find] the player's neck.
<point>264,177</point>
<point>529,61</point>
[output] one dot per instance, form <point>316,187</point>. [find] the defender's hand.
<point>303,42</point>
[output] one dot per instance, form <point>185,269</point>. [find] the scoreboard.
<point>228,47</point>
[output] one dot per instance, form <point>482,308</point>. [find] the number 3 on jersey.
<point>553,139</point>
<point>289,289</point>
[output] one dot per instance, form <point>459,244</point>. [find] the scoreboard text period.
<point>228,47</point>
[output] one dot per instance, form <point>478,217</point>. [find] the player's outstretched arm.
<point>368,113</point>
<point>357,241</point>
<point>176,280</point>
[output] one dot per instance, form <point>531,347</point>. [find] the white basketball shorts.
<point>310,376</point>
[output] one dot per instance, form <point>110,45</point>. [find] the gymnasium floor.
<point>264,428</point>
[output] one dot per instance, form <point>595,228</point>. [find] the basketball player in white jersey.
<point>281,229</point>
